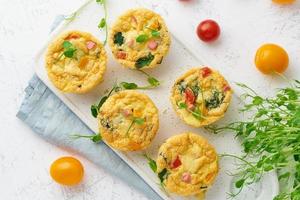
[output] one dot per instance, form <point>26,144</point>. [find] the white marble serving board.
<point>180,59</point>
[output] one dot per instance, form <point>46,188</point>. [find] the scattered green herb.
<point>182,86</point>
<point>103,22</point>
<point>215,101</point>
<point>69,49</point>
<point>144,61</point>
<point>151,163</point>
<point>155,33</point>
<point>95,138</point>
<point>135,120</point>
<point>119,39</point>
<point>95,108</point>
<point>151,80</point>
<point>163,175</point>
<point>197,113</point>
<point>272,135</point>
<point>142,38</point>
<point>182,105</point>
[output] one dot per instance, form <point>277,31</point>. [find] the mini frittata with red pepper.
<point>201,96</point>
<point>76,62</point>
<point>128,121</point>
<point>139,39</point>
<point>187,164</point>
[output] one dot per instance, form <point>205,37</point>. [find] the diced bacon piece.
<point>72,36</point>
<point>206,71</point>
<point>152,44</point>
<point>176,163</point>
<point>226,88</point>
<point>186,177</point>
<point>90,45</point>
<point>121,55</point>
<point>126,112</point>
<point>130,43</point>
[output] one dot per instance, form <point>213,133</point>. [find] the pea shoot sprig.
<point>161,175</point>
<point>103,22</point>
<point>96,138</point>
<point>153,83</point>
<point>135,120</point>
<point>272,135</point>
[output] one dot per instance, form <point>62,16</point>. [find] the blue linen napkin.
<point>44,112</point>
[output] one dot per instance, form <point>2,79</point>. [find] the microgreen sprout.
<point>69,49</point>
<point>151,163</point>
<point>96,138</point>
<point>271,134</point>
<point>103,22</point>
<point>135,120</point>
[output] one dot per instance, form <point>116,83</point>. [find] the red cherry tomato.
<point>208,30</point>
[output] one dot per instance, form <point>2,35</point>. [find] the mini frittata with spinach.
<point>128,121</point>
<point>139,39</point>
<point>201,96</point>
<point>76,62</point>
<point>187,164</point>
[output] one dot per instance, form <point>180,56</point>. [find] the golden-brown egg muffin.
<point>139,39</point>
<point>128,120</point>
<point>201,96</point>
<point>76,62</point>
<point>187,164</point>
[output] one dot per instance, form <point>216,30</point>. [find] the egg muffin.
<point>76,62</point>
<point>128,121</point>
<point>187,164</point>
<point>201,96</point>
<point>139,39</point>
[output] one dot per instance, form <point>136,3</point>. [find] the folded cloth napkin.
<point>44,112</point>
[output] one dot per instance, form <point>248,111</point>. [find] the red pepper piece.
<point>206,71</point>
<point>176,163</point>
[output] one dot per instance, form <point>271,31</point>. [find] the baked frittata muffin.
<point>201,96</point>
<point>128,120</point>
<point>76,62</point>
<point>187,164</point>
<point>139,39</point>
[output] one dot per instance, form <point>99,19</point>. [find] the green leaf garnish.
<point>151,163</point>
<point>94,111</point>
<point>142,38</point>
<point>155,33</point>
<point>129,86</point>
<point>139,121</point>
<point>118,39</point>
<point>271,135</point>
<point>144,61</point>
<point>95,138</point>
<point>153,81</point>
<point>69,49</point>
<point>163,175</point>
<point>135,120</point>
<point>182,105</point>
<point>102,23</point>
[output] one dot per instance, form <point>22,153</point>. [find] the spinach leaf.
<point>119,39</point>
<point>215,100</point>
<point>144,61</point>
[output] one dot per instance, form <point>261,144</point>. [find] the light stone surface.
<point>24,25</point>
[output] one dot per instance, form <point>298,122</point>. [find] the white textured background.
<point>24,25</point>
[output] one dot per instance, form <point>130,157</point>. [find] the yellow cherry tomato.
<point>67,171</point>
<point>283,1</point>
<point>271,58</point>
